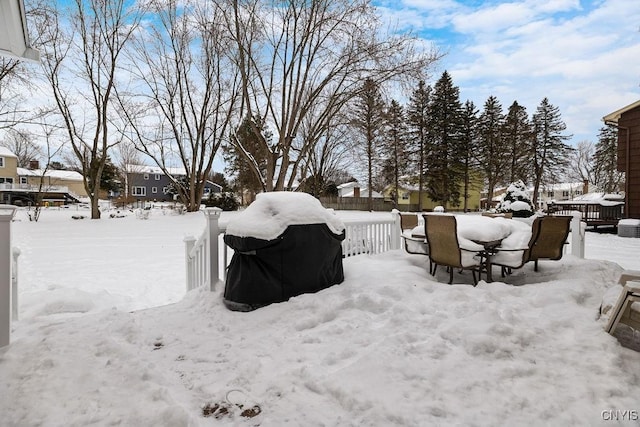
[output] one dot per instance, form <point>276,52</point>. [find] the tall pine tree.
<point>605,160</point>
<point>550,155</point>
<point>492,153</point>
<point>469,146</point>
<point>396,161</point>
<point>418,119</point>
<point>367,119</point>
<point>517,135</point>
<point>445,172</point>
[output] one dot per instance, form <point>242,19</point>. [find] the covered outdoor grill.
<point>285,244</point>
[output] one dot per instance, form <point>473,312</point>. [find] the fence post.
<point>189,242</point>
<point>6,215</point>
<point>395,231</point>
<point>213,229</point>
<point>577,236</point>
<point>14,283</point>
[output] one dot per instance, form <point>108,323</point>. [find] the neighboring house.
<point>152,184</point>
<point>14,39</point>
<point>353,189</point>
<point>560,192</point>
<point>21,186</point>
<point>409,197</point>
<point>627,120</point>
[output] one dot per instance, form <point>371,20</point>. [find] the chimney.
<point>585,186</point>
<point>356,192</point>
<point>34,164</point>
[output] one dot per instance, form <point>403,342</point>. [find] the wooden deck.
<point>594,214</point>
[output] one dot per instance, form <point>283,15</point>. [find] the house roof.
<point>14,39</point>
<point>5,152</point>
<point>54,173</point>
<point>615,116</point>
<point>154,169</point>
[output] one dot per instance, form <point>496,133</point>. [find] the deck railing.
<point>207,257</point>
<point>8,282</point>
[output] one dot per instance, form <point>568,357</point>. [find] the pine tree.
<point>418,119</point>
<point>395,147</point>
<point>367,119</point>
<point>238,164</point>
<point>445,172</point>
<point>605,160</point>
<point>517,135</point>
<point>469,145</point>
<point>550,155</point>
<point>516,200</point>
<point>492,154</point>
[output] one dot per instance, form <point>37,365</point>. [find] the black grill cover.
<point>303,259</point>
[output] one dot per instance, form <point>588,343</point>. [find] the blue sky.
<point>582,55</point>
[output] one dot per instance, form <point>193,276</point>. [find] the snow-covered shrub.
<point>516,200</point>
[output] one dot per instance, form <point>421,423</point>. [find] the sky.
<point>581,55</point>
<point>108,335</point>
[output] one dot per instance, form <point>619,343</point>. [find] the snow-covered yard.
<point>107,336</point>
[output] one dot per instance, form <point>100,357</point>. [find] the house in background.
<point>409,198</point>
<point>150,183</point>
<point>627,121</point>
<point>21,186</point>
<point>353,189</point>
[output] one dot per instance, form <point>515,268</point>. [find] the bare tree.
<point>297,55</point>
<point>51,148</point>
<point>128,162</point>
<point>191,91</point>
<point>81,66</point>
<point>22,144</point>
<point>581,164</point>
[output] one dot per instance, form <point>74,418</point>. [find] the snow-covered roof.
<point>154,170</point>
<point>52,173</point>
<point>561,186</point>
<point>271,213</point>
<point>350,184</point>
<point>5,152</point>
<point>364,193</point>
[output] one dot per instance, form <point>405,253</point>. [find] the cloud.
<point>582,57</point>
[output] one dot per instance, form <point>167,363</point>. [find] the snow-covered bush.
<point>516,200</point>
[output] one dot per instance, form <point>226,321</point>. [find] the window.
<point>565,194</point>
<point>23,180</point>
<point>154,190</point>
<point>146,176</point>
<point>550,194</point>
<point>157,177</point>
<point>578,192</point>
<point>139,191</point>
<point>6,180</point>
<point>1,162</point>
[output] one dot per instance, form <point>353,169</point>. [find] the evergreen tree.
<point>517,135</point>
<point>418,120</point>
<point>491,153</point>
<point>367,119</point>
<point>469,146</point>
<point>395,147</point>
<point>445,171</point>
<point>550,155</point>
<point>605,160</point>
<point>517,201</point>
<point>246,178</point>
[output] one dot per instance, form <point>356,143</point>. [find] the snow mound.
<point>271,213</point>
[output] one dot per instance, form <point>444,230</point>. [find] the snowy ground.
<point>97,344</point>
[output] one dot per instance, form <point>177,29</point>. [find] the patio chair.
<point>626,312</point>
<point>413,243</point>
<point>445,249</point>
<point>509,259</point>
<point>551,238</point>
